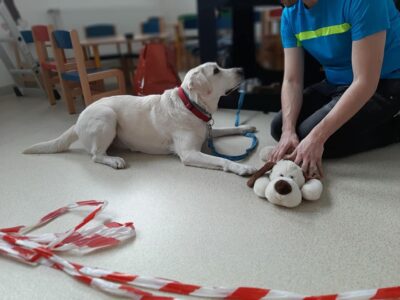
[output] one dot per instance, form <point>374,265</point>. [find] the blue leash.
<point>254,143</point>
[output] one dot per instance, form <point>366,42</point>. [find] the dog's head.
<point>208,82</point>
<point>286,181</point>
<point>286,169</point>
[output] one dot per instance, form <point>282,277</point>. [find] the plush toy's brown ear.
<point>267,167</point>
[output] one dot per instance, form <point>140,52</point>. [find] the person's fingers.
<point>298,160</point>
<point>272,155</point>
<point>305,166</point>
<point>320,169</point>
<point>280,154</point>
<point>291,156</point>
<point>313,171</point>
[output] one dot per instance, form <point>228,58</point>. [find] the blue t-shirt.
<point>328,29</point>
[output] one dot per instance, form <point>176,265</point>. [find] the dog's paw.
<point>118,163</point>
<point>242,170</point>
<point>247,128</point>
<point>112,161</point>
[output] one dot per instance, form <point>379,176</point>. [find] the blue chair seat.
<point>74,75</point>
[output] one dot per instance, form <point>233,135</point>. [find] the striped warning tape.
<point>40,249</point>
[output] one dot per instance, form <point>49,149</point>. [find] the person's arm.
<point>292,88</point>
<point>367,60</point>
<point>292,99</point>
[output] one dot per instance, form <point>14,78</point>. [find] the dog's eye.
<point>292,177</point>
<point>281,175</point>
<point>216,71</point>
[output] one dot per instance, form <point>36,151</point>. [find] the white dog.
<point>174,122</point>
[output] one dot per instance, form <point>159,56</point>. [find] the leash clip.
<point>210,124</point>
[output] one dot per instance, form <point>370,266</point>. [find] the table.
<point>118,40</point>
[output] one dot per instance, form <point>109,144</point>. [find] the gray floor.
<point>201,226</point>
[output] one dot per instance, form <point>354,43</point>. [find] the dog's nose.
<point>240,72</point>
<point>283,187</point>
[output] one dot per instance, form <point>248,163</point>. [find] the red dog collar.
<point>194,108</point>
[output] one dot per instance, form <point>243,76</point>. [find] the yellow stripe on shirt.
<point>324,31</point>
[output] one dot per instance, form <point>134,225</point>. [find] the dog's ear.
<point>198,83</point>
<point>267,167</point>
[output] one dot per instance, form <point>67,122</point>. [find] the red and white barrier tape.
<point>40,250</point>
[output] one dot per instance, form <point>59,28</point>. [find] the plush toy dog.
<point>285,184</point>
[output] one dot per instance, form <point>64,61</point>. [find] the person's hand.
<point>308,155</point>
<point>287,144</point>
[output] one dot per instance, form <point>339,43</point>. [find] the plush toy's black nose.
<point>283,187</point>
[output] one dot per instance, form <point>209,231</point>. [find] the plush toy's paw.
<point>260,186</point>
<point>265,152</point>
<point>312,190</point>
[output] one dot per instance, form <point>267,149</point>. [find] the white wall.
<point>126,14</point>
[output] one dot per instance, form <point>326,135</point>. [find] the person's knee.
<point>335,147</point>
<point>276,127</point>
<point>304,130</point>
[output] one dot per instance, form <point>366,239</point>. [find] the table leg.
<point>96,55</point>
<point>128,66</point>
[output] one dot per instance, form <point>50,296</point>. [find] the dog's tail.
<point>59,144</point>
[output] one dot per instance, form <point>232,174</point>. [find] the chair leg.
<point>125,66</point>
<point>87,94</point>
<point>48,87</point>
<point>121,83</point>
<point>68,97</point>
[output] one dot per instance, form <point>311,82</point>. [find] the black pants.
<point>372,127</point>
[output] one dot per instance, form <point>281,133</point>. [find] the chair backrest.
<point>60,41</point>
<point>151,26</point>
<point>28,39</point>
<point>187,26</point>
<point>40,33</point>
<point>189,21</point>
<point>63,39</point>
<point>41,39</point>
<point>100,30</point>
<point>27,36</point>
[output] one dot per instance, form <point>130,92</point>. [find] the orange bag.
<point>155,72</point>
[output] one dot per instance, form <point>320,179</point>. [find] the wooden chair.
<point>103,31</point>
<point>48,66</point>
<point>26,80</point>
<point>81,76</point>
<point>187,42</point>
<point>153,25</point>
